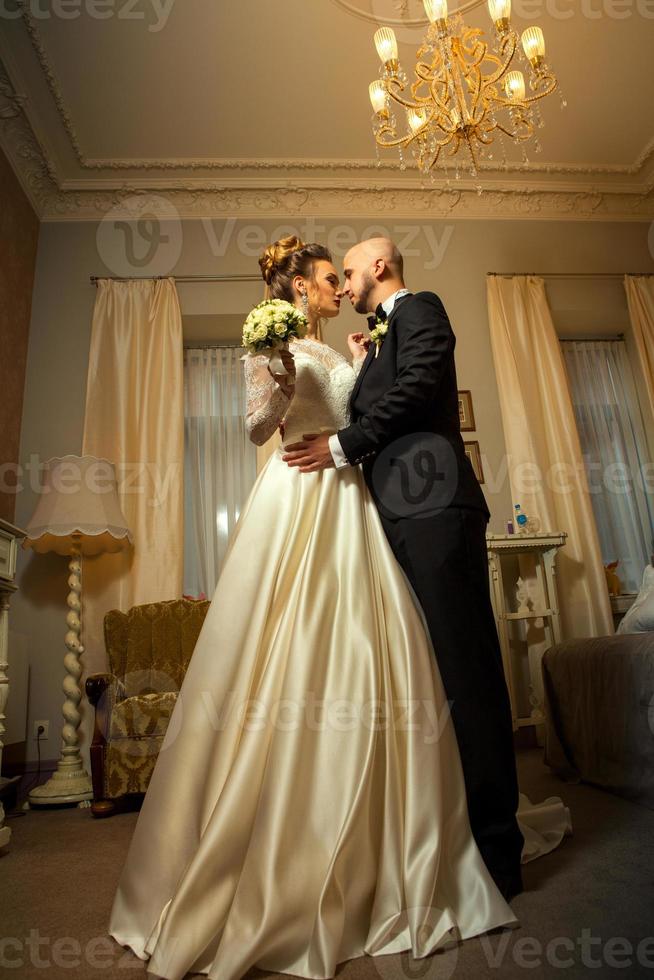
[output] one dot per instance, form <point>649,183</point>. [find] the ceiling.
<point>262,108</point>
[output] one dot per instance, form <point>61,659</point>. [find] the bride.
<point>307,805</point>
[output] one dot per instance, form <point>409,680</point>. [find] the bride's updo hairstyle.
<point>287,258</point>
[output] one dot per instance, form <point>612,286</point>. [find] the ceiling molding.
<point>270,195</point>
<point>637,168</point>
<point>334,203</point>
<point>50,77</point>
<point>24,151</point>
<point>193,163</point>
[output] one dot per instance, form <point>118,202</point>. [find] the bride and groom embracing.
<point>292,843</point>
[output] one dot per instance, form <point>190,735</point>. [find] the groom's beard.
<point>367,286</point>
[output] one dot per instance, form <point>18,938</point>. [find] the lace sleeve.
<point>357,364</point>
<point>266,401</point>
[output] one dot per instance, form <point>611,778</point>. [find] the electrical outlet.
<point>46,730</point>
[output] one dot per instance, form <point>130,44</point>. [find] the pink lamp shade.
<point>79,497</point>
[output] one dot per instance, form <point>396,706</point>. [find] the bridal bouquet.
<point>269,326</point>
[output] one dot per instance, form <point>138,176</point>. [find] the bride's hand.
<point>285,381</point>
<point>358,344</point>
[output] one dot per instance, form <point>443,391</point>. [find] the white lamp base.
<point>70,783</point>
<point>62,787</point>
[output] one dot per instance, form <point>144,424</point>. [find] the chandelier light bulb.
<point>416,119</point>
<point>533,43</point>
<point>436,10</point>
<point>386,44</point>
<point>378,96</point>
<point>500,11</point>
<point>514,86</point>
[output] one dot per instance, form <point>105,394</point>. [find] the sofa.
<point>148,651</point>
<point>599,705</point>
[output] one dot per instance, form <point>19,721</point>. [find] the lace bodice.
<point>323,383</point>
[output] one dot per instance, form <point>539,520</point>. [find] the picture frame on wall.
<point>466,412</point>
<point>474,455</point>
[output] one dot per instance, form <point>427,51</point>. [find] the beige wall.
<point>19,232</point>
<point>450,258</point>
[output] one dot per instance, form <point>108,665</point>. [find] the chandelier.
<point>467,91</point>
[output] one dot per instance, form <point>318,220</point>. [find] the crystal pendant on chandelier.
<point>466,92</point>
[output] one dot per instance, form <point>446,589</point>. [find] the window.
<point>220,462</point>
<point>614,447</point>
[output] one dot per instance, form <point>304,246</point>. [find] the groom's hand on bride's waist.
<point>310,455</point>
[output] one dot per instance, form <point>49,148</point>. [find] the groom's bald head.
<point>384,250</point>
<point>374,270</point>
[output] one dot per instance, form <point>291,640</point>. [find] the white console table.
<point>539,603</point>
<point>9,538</point>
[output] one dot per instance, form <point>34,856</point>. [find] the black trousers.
<point>445,559</point>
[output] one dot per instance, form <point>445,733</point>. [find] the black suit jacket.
<point>410,388</point>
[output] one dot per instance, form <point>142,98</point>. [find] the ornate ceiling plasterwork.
<point>186,163</point>
<point>325,188</point>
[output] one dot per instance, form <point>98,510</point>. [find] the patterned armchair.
<point>149,648</point>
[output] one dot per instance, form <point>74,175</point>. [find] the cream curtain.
<point>640,299</point>
<point>135,418</point>
<point>546,468</point>
<point>220,461</point>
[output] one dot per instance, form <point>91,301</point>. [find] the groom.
<point>405,431</point>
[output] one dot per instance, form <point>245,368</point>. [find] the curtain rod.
<point>256,278</point>
<point>192,346</point>
<point>244,278</point>
<point>573,275</point>
<point>591,340</point>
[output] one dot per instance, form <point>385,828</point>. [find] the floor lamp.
<point>78,514</point>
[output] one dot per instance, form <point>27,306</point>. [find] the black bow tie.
<point>379,314</point>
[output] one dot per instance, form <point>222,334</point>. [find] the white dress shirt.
<point>335,447</point>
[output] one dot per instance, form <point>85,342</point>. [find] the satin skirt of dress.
<point>307,805</point>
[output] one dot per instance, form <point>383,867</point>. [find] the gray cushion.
<point>640,617</point>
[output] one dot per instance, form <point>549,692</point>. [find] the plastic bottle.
<point>520,519</point>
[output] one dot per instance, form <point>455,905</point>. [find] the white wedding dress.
<point>308,804</point>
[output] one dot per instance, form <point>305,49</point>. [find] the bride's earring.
<point>305,303</point>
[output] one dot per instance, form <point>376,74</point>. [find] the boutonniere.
<point>378,333</point>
